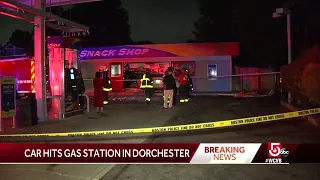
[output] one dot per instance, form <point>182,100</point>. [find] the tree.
<point>306,29</point>
<point>108,22</point>
<point>240,21</point>
<point>262,38</point>
<point>191,41</point>
<point>310,82</point>
<point>142,42</point>
<point>214,23</point>
<point>22,39</point>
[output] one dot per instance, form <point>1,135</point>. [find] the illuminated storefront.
<point>126,64</point>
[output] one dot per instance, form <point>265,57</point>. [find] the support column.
<point>39,53</point>
<point>289,46</point>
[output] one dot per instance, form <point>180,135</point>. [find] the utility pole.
<point>279,13</point>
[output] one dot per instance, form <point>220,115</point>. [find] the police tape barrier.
<point>187,127</point>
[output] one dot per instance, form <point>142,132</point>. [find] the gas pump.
<point>64,81</point>
<point>71,90</point>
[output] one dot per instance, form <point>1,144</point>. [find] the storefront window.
<point>212,71</point>
<point>115,70</point>
<point>133,72</point>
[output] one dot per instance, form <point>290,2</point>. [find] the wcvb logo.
<point>275,150</point>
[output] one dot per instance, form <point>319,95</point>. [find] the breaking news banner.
<point>194,153</point>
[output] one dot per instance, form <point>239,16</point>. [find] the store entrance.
<point>116,76</point>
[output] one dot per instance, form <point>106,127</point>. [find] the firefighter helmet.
<point>185,69</point>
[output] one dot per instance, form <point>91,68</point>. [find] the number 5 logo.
<point>274,149</point>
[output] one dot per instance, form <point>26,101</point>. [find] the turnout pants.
<point>106,97</point>
<point>175,91</point>
<point>184,91</point>
<point>188,92</point>
<point>148,94</point>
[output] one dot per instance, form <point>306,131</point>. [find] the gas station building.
<point>204,61</point>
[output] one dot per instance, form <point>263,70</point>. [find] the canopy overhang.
<point>50,3</point>
<point>37,15</point>
<point>18,10</point>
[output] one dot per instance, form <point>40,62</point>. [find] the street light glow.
<point>276,15</point>
<point>280,10</point>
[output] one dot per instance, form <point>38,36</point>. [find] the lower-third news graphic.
<point>194,153</point>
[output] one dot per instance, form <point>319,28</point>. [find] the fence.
<point>255,82</point>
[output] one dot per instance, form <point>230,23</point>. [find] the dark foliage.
<point>262,38</point>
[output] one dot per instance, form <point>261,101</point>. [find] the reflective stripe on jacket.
<point>190,81</point>
<point>146,82</point>
<point>107,86</point>
<point>107,83</point>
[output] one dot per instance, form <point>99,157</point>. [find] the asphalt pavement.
<point>117,116</point>
<point>206,109</point>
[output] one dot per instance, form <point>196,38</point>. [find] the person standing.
<point>183,81</point>
<point>169,86</point>
<point>175,91</point>
<point>98,93</point>
<point>107,86</point>
<point>126,75</point>
<point>165,74</point>
<point>190,83</point>
<point>147,85</point>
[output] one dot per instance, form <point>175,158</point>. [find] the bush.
<point>310,82</point>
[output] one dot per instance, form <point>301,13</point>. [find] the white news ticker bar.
<point>152,163</point>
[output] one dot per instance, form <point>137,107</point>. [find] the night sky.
<point>155,20</point>
<point>162,21</point>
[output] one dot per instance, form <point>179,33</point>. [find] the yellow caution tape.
<point>187,127</point>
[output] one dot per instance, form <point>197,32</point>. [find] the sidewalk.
<point>117,117</point>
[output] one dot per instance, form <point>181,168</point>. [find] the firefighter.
<point>184,87</point>
<point>175,91</point>
<point>147,85</point>
<point>190,83</point>
<point>98,93</point>
<point>107,86</point>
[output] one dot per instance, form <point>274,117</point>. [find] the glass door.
<point>116,76</point>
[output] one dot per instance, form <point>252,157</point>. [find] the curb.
<point>310,119</point>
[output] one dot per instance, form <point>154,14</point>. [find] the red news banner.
<point>227,153</point>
